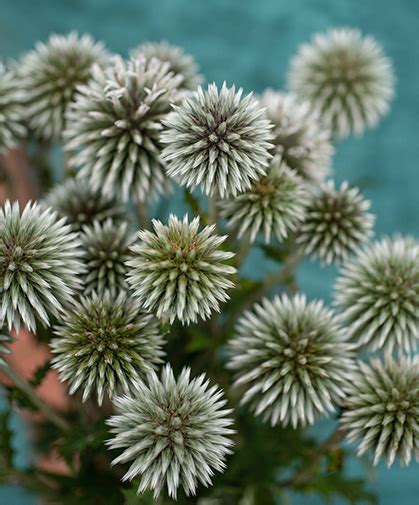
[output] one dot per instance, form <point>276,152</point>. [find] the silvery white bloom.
<point>180,272</point>
<point>39,265</point>
<point>50,75</point>
<point>104,344</point>
<point>346,77</point>
<point>291,360</point>
<point>114,127</point>
<point>12,112</point>
<point>300,140</point>
<point>378,294</point>
<point>337,222</point>
<point>217,140</point>
<point>175,433</point>
<point>382,409</point>
<point>275,205</point>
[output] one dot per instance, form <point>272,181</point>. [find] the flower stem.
<point>142,215</point>
<point>213,210</point>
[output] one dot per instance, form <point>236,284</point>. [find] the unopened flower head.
<point>291,360</point>
<point>114,127</point>
<point>300,140</point>
<point>337,222</point>
<point>175,433</point>
<point>105,344</point>
<point>346,77</point>
<point>378,294</point>
<point>39,265</point>
<point>12,113</point>
<point>382,409</point>
<point>178,271</point>
<point>217,140</point>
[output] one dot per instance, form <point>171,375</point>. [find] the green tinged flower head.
<point>39,265</point>
<point>346,77</point>
<point>300,140</point>
<point>50,75</point>
<point>105,344</point>
<point>179,272</point>
<point>80,204</point>
<point>179,62</point>
<point>275,205</point>
<point>291,360</point>
<point>12,112</point>
<point>378,294</point>
<point>175,433</point>
<point>336,223</point>
<point>106,249</point>
<point>114,127</point>
<point>382,409</point>
<point>216,140</point>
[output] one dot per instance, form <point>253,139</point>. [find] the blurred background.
<point>249,43</point>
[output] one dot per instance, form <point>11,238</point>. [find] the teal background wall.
<point>249,43</point>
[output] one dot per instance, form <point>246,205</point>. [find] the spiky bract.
<point>337,222</point>
<point>291,360</point>
<point>300,140</point>
<point>174,432</point>
<point>216,140</point>
<point>275,205</point>
<point>114,127</point>
<point>346,77</point>
<point>179,272</point>
<point>378,294</point>
<point>50,75</point>
<point>105,344</point>
<point>12,129</point>
<point>80,204</point>
<point>106,250</point>
<point>180,62</point>
<point>382,409</point>
<point>39,265</point>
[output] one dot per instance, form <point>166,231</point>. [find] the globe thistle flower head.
<point>12,129</point>
<point>337,223</point>
<point>80,204</point>
<point>106,249</point>
<point>300,140</point>
<point>377,293</point>
<point>382,409</point>
<point>39,265</point>
<point>105,344</point>
<point>291,360</point>
<point>50,75</point>
<point>346,77</point>
<point>114,127</point>
<point>180,63</point>
<point>275,205</point>
<point>179,272</point>
<point>217,140</point>
<point>175,433</point>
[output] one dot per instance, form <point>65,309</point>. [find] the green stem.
<point>213,210</point>
<point>243,251</point>
<point>142,215</point>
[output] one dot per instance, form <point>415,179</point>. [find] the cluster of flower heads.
<point>12,128</point>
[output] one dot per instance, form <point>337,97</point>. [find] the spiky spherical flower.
<point>216,140</point>
<point>346,77</point>
<point>39,265</point>
<point>300,140</point>
<point>382,409</point>
<point>80,204</point>
<point>178,271</point>
<point>105,344</point>
<point>180,62</point>
<point>337,222</point>
<point>106,248</point>
<point>50,75</point>
<point>274,205</point>
<point>378,294</point>
<point>12,112</point>
<point>290,359</point>
<point>175,433</point>
<point>114,127</point>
